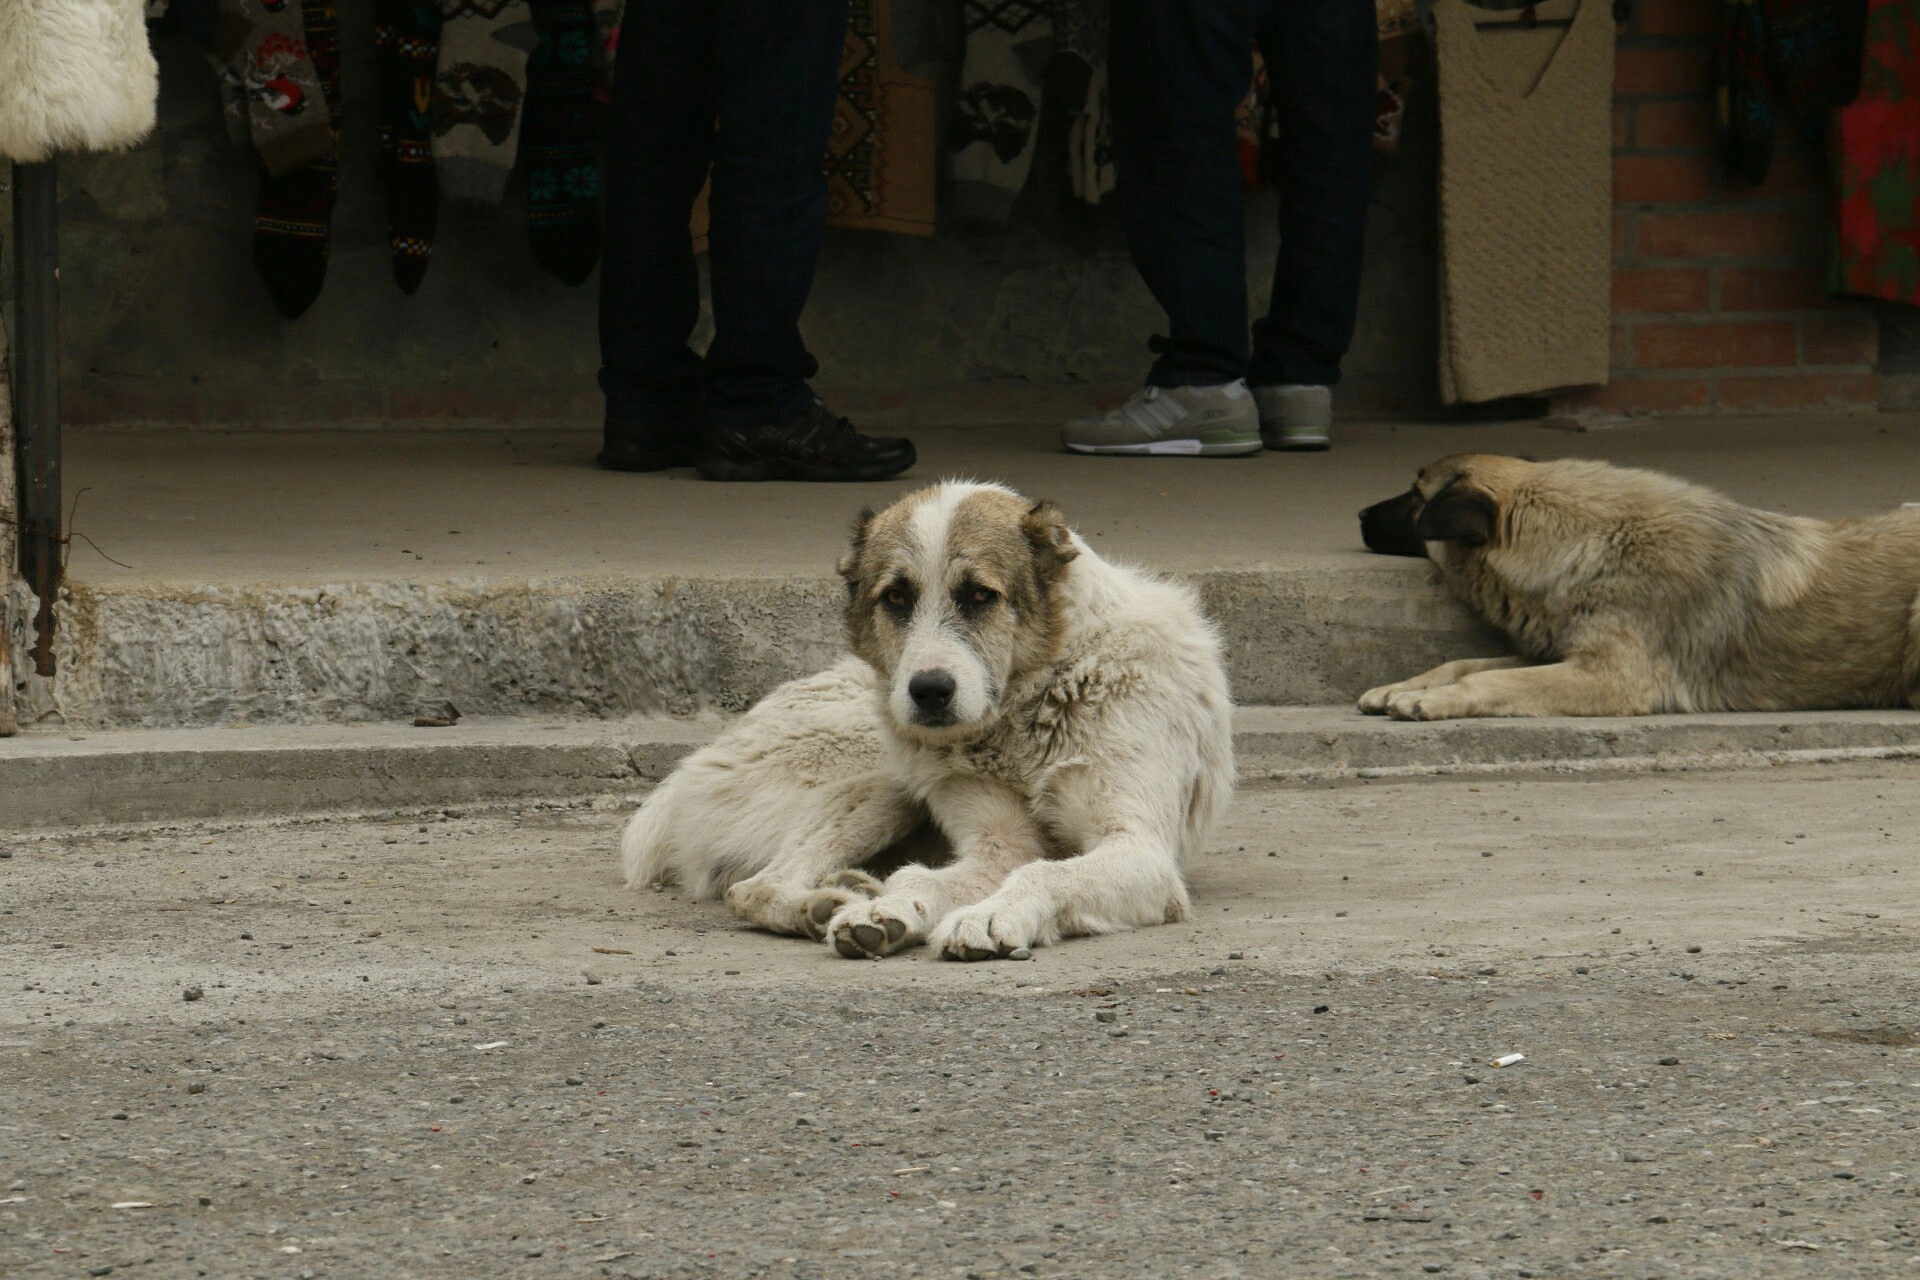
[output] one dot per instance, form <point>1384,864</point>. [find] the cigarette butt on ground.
<point>1507,1059</point>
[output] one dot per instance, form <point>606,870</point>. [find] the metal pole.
<point>36,390</point>
<point>9,518</point>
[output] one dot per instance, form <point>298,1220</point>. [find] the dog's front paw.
<point>855,881</point>
<point>867,929</point>
<point>1444,703</point>
<point>836,891</point>
<point>981,933</point>
<point>771,905</point>
<point>1374,701</point>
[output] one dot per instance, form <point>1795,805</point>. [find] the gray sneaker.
<point>1209,422</point>
<point>1293,416</point>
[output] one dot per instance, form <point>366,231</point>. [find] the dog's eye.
<point>977,597</point>
<point>897,598</point>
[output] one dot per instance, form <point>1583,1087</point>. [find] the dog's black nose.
<point>931,691</point>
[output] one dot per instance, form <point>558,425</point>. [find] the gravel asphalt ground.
<point>452,1044</point>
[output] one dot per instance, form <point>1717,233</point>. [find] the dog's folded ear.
<point>1459,513</point>
<point>849,566</point>
<point>1046,528</point>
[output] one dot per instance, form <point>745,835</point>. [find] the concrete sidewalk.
<point>335,577</point>
<point>222,509</point>
<point>78,780</point>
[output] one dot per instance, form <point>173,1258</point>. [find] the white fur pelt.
<point>75,75</point>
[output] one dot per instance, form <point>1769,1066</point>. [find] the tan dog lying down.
<point>1064,721</point>
<point>1629,592</point>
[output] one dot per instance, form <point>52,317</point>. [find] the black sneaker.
<point>817,446</point>
<point>629,444</point>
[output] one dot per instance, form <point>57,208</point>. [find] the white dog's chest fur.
<point>1050,726</point>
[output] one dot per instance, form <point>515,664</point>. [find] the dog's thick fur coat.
<point>1064,721</point>
<point>75,75</point>
<point>1629,592</point>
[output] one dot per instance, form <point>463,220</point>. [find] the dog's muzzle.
<point>1388,527</point>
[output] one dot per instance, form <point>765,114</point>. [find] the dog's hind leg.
<point>1572,688</point>
<point>1374,701</point>
<point>861,817</point>
<point>992,835</point>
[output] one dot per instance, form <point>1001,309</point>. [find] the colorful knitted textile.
<point>557,141</point>
<point>271,90</point>
<point>480,81</point>
<point>1877,164</point>
<point>406,40</point>
<point>1798,56</point>
<point>293,218</point>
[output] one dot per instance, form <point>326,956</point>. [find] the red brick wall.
<point>1718,301</point>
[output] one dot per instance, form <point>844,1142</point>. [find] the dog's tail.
<point>647,846</point>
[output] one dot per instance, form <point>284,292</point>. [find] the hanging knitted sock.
<point>478,89</point>
<point>563,186</point>
<point>273,97</point>
<point>406,37</point>
<point>295,211</point>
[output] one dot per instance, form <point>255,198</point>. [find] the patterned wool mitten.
<point>563,186</point>
<point>476,97</point>
<point>406,37</point>
<point>294,215</point>
<point>272,92</point>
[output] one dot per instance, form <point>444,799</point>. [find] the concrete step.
<point>324,577</point>
<point>263,653</point>
<point>56,780</point>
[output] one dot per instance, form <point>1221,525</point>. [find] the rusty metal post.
<point>36,391</point>
<point>9,515</point>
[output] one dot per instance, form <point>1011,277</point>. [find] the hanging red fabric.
<point>1876,159</point>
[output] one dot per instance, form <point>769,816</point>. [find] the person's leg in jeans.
<point>777,67</point>
<point>777,72</point>
<point>766,71</point>
<point>1322,58</point>
<point>1179,69</point>
<point>659,150</point>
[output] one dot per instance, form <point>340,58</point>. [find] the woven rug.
<point>1526,203</point>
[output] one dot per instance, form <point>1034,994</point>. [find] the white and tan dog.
<point>1064,721</point>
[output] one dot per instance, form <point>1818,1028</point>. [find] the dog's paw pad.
<point>816,913</point>
<point>866,929</point>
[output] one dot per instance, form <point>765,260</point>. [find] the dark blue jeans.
<point>1180,67</point>
<point>744,90</point>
